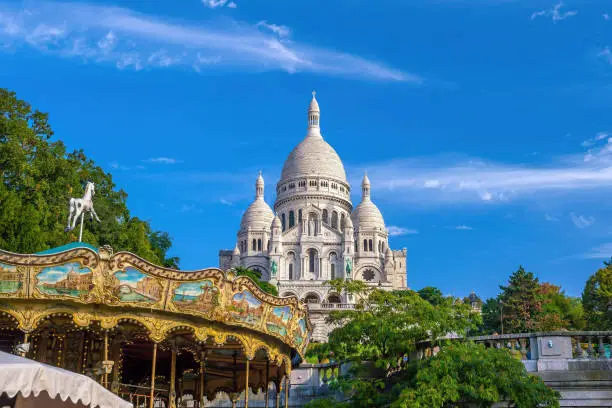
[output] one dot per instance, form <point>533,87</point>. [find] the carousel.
<point>156,337</point>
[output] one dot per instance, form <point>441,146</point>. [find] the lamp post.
<point>501,318</point>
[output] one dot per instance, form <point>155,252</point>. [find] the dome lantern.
<point>314,115</point>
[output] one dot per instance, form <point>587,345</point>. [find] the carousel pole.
<point>287,383</point>
<point>105,358</point>
<point>81,231</point>
<point>202,377</point>
<point>172,392</point>
<point>267,383</point>
<point>246,385</point>
<point>279,390</point>
<point>153,363</point>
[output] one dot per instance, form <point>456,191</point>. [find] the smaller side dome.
<point>276,223</point>
<point>236,250</point>
<point>367,215</point>
<point>258,215</point>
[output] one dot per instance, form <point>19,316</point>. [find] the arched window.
<point>291,218</point>
<point>283,221</point>
<point>312,260</point>
<point>299,215</point>
<point>333,298</point>
<point>325,216</point>
<point>312,298</point>
<point>259,244</point>
<point>290,271</point>
<point>268,246</point>
<point>254,244</point>
<point>365,245</point>
<point>342,220</point>
<point>334,222</point>
<point>379,246</point>
<point>356,249</point>
<point>370,245</point>
<point>333,258</point>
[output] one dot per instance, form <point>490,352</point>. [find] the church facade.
<point>314,233</point>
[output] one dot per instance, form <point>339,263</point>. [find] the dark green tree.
<point>256,277</point>
<point>522,302</point>
<point>432,295</point>
<point>468,374</point>
<point>597,299</point>
<point>38,176</point>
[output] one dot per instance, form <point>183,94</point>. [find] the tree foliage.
<point>527,305</point>
<point>432,295</point>
<point>597,299</point>
<point>256,277</point>
<point>467,374</point>
<point>383,332</point>
<point>38,178</point>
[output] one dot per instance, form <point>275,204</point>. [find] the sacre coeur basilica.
<point>314,233</point>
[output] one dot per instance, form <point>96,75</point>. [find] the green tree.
<point>38,178</point>
<point>491,316</point>
<point>256,277</point>
<point>597,299</point>
<point>386,327</point>
<point>522,302</point>
<point>431,294</point>
<point>467,374</point>
<point>559,311</point>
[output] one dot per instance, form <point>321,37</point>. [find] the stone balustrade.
<point>329,306</point>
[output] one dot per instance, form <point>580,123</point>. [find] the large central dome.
<point>313,156</point>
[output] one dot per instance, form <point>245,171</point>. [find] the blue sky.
<point>483,124</point>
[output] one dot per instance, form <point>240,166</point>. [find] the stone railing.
<point>329,306</point>
<point>542,351</point>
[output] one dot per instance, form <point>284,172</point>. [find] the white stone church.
<point>316,234</point>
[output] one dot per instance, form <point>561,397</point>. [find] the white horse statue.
<point>79,206</point>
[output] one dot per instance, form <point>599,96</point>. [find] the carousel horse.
<point>78,206</point>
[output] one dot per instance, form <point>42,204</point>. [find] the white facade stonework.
<point>314,234</point>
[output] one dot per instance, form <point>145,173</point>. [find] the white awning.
<point>29,378</point>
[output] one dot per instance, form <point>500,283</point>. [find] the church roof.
<point>258,215</point>
<point>313,156</point>
<point>367,215</point>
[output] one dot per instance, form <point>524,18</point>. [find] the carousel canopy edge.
<point>82,274</point>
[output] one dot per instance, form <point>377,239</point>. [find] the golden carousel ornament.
<point>153,335</point>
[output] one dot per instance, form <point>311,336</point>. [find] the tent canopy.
<point>30,378</point>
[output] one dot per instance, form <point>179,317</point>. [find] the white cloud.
<point>606,55</point>
<point>580,221</point>
<point>226,202</point>
<point>218,3</point>
<point>127,39</point>
<point>161,160</point>
<point>549,217</point>
<point>463,228</point>
<point>554,13</point>
<point>454,179</point>
<point>395,231</point>
<point>280,30</point>
<point>603,251</point>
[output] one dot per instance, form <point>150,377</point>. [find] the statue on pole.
<point>79,206</point>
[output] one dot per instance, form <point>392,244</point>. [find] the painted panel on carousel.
<point>278,320</point>
<point>299,337</point>
<point>10,279</point>
<point>134,286</point>
<point>246,308</point>
<point>65,280</point>
<point>198,296</point>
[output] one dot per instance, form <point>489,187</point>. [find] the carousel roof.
<point>29,378</point>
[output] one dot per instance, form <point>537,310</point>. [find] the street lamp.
<point>501,318</point>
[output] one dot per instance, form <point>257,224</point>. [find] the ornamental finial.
<point>314,93</point>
